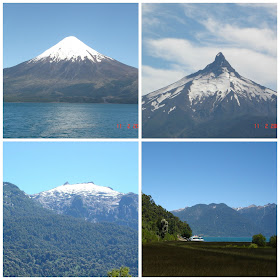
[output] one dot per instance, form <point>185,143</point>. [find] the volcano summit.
<point>71,71</point>
<point>214,102</point>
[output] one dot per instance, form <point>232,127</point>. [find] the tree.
<point>186,233</point>
<point>163,227</point>
<point>122,272</point>
<point>273,241</point>
<point>259,239</point>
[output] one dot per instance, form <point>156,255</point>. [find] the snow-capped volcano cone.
<point>71,71</point>
<point>70,48</point>
<point>213,102</point>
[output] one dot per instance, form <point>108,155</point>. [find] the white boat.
<point>196,238</point>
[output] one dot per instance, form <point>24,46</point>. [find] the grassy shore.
<point>177,258</point>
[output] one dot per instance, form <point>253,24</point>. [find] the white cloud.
<point>260,39</point>
<point>154,79</point>
<point>150,21</point>
<point>181,51</point>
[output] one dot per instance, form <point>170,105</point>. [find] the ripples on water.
<point>68,120</point>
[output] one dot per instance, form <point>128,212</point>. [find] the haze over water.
<point>69,120</point>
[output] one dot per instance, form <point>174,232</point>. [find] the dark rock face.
<point>222,220</point>
<point>77,208</point>
<point>128,210</point>
<point>213,102</point>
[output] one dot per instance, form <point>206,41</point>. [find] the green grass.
<point>207,259</point>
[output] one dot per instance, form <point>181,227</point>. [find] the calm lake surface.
<point>229,239</point>
<point>68,120</point>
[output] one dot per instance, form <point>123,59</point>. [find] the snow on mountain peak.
<point>70,49</point>
<point>254,206</point>
<point>81,189</point>
<point>179,210</point>
<point>216,79</point>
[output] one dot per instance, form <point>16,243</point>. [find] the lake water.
<point>68,120</point>
<point>230,239</point>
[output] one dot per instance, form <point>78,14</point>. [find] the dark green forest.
<point>159,224</point>
<point>38,242</point>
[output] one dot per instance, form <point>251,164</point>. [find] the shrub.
<point>122,272</point>
<point>253,245</point>
<point>169,237</point>
<point>149,236</point>
<point>259,239</point>
<point>273,241</point>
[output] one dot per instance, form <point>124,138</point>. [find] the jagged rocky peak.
<point>220,60</point>
<point>220,65</point>
<point>220,57</point>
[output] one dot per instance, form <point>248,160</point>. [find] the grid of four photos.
<point>139,139</point>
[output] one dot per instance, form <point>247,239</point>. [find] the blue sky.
<point>39,166</point>
<point>180,39</point>
<point>30,29</point>
<point>183,174</point>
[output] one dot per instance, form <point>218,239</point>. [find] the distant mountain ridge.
<point>265,217</point>
<point>253,206</point>
<point>40,243</point>
<point>71,71</point>
<point>91,202</point>
<point>214,102</point>
<point>221,220</point>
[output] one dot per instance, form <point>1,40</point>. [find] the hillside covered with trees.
<point>38,242</point>
<point>159,224</point>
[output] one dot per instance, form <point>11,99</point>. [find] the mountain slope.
<point>91,202</point>
<point>264,217</point>
<point>213,102</point>
<point>71,71</point>
<point>222,220</point>
<point>38,242</point>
